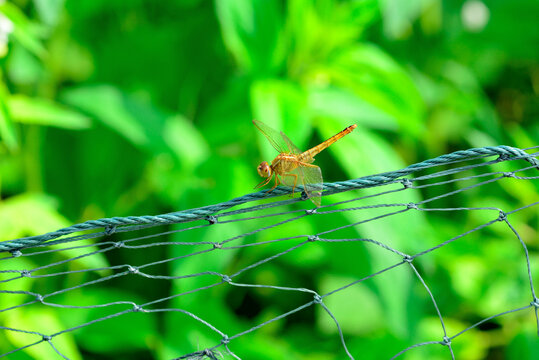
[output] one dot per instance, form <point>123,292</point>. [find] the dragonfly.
<point>293,167</point>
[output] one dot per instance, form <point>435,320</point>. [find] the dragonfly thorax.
<point>264,169</point>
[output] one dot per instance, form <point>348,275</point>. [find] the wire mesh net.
<point>391,265</point>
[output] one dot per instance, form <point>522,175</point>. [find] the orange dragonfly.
<point>293,167</point>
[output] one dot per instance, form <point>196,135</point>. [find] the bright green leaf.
<point>281,105</point>
<point>43,320</point>
<point>374,76</point>
<point>354,321</point>
<point>251,31</point>
<point>343,104</point>
<point>185,141</point>
<point>108,105</point>
<point>7,131</point>
<point>29,214</point>
<point>49,10</point>
<point>27,33</point>
<point>44,112</point>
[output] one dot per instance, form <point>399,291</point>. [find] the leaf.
<point>46,321</point>
<point>357,308</point>
<point>28,215</point>
<point>24,68</point>
<point>251,31</point>
<point>317,30</point>
<point>185,141</point>
<point>24,31</point>
<point>7,131</point>
<point>35,214</point>
<point>399,15</point>
<point>281,105</point>
<point>127,331</point>
<point>108,105</point>
<point>341,103</point>
<point>375,77</point>
<point>49,10</point>
<point>40,111</point>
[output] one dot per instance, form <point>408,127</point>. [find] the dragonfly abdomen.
<point>309,154</point>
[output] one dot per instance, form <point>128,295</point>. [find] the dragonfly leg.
<point>295,176</point>
<point>264,182</point>
<point>277,182</point>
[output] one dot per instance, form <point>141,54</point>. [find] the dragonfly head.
<point>264,169</point>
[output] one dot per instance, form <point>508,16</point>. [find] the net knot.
<point>446,341</point>
<point>406,183</point>
<point>110,229</point>
<point>412,206</point>
<point>310,211</point>
<point>226,278</point>
<point>217,246</point>
<point>509,174</point>
<point>47,338</point>
<point>137,308</point>
<point>225,340</point>
<point>502,216</point>
<point>26,273</point>
<point>16,253</point>
<point>408,258</point>
<point>119,244</point>
<point>39,298</point>
<point>535,303</point>
<point>208,353</point>
<point>313,238</point>
<point>132,269</point>
<point>317,299</point>
<point>304,195</point>
<point>211,219</point>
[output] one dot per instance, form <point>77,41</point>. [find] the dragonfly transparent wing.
<point>274,137</point>
<point>293,148</point>
<point>310,177</point>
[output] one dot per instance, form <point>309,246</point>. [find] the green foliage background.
<point>132,107</point>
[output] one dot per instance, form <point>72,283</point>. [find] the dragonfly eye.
<point>264,169</point>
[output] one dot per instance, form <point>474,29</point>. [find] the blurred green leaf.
<point>524,345</point>
<point>7,130</point>
<point>108,105</point>
<point>39,111</point>
<point>185,141</point>
<point>24,68</point>
<point>316,31</point>
<point>399,15</point>
<point>49,10</point>
<point>357,309</point>
<point>473,346</point>
<point>131,330</point>
<point>280,105</point>
<point>29,215</point>
<point>251,31</point>
<point>26,32</point>
<point>376,78</point>
<point>342,104</point>
<point>44,321</point>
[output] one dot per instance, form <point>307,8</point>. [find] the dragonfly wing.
<point>310,177</point>
<point>274,137</point>
<point>293,148</point>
